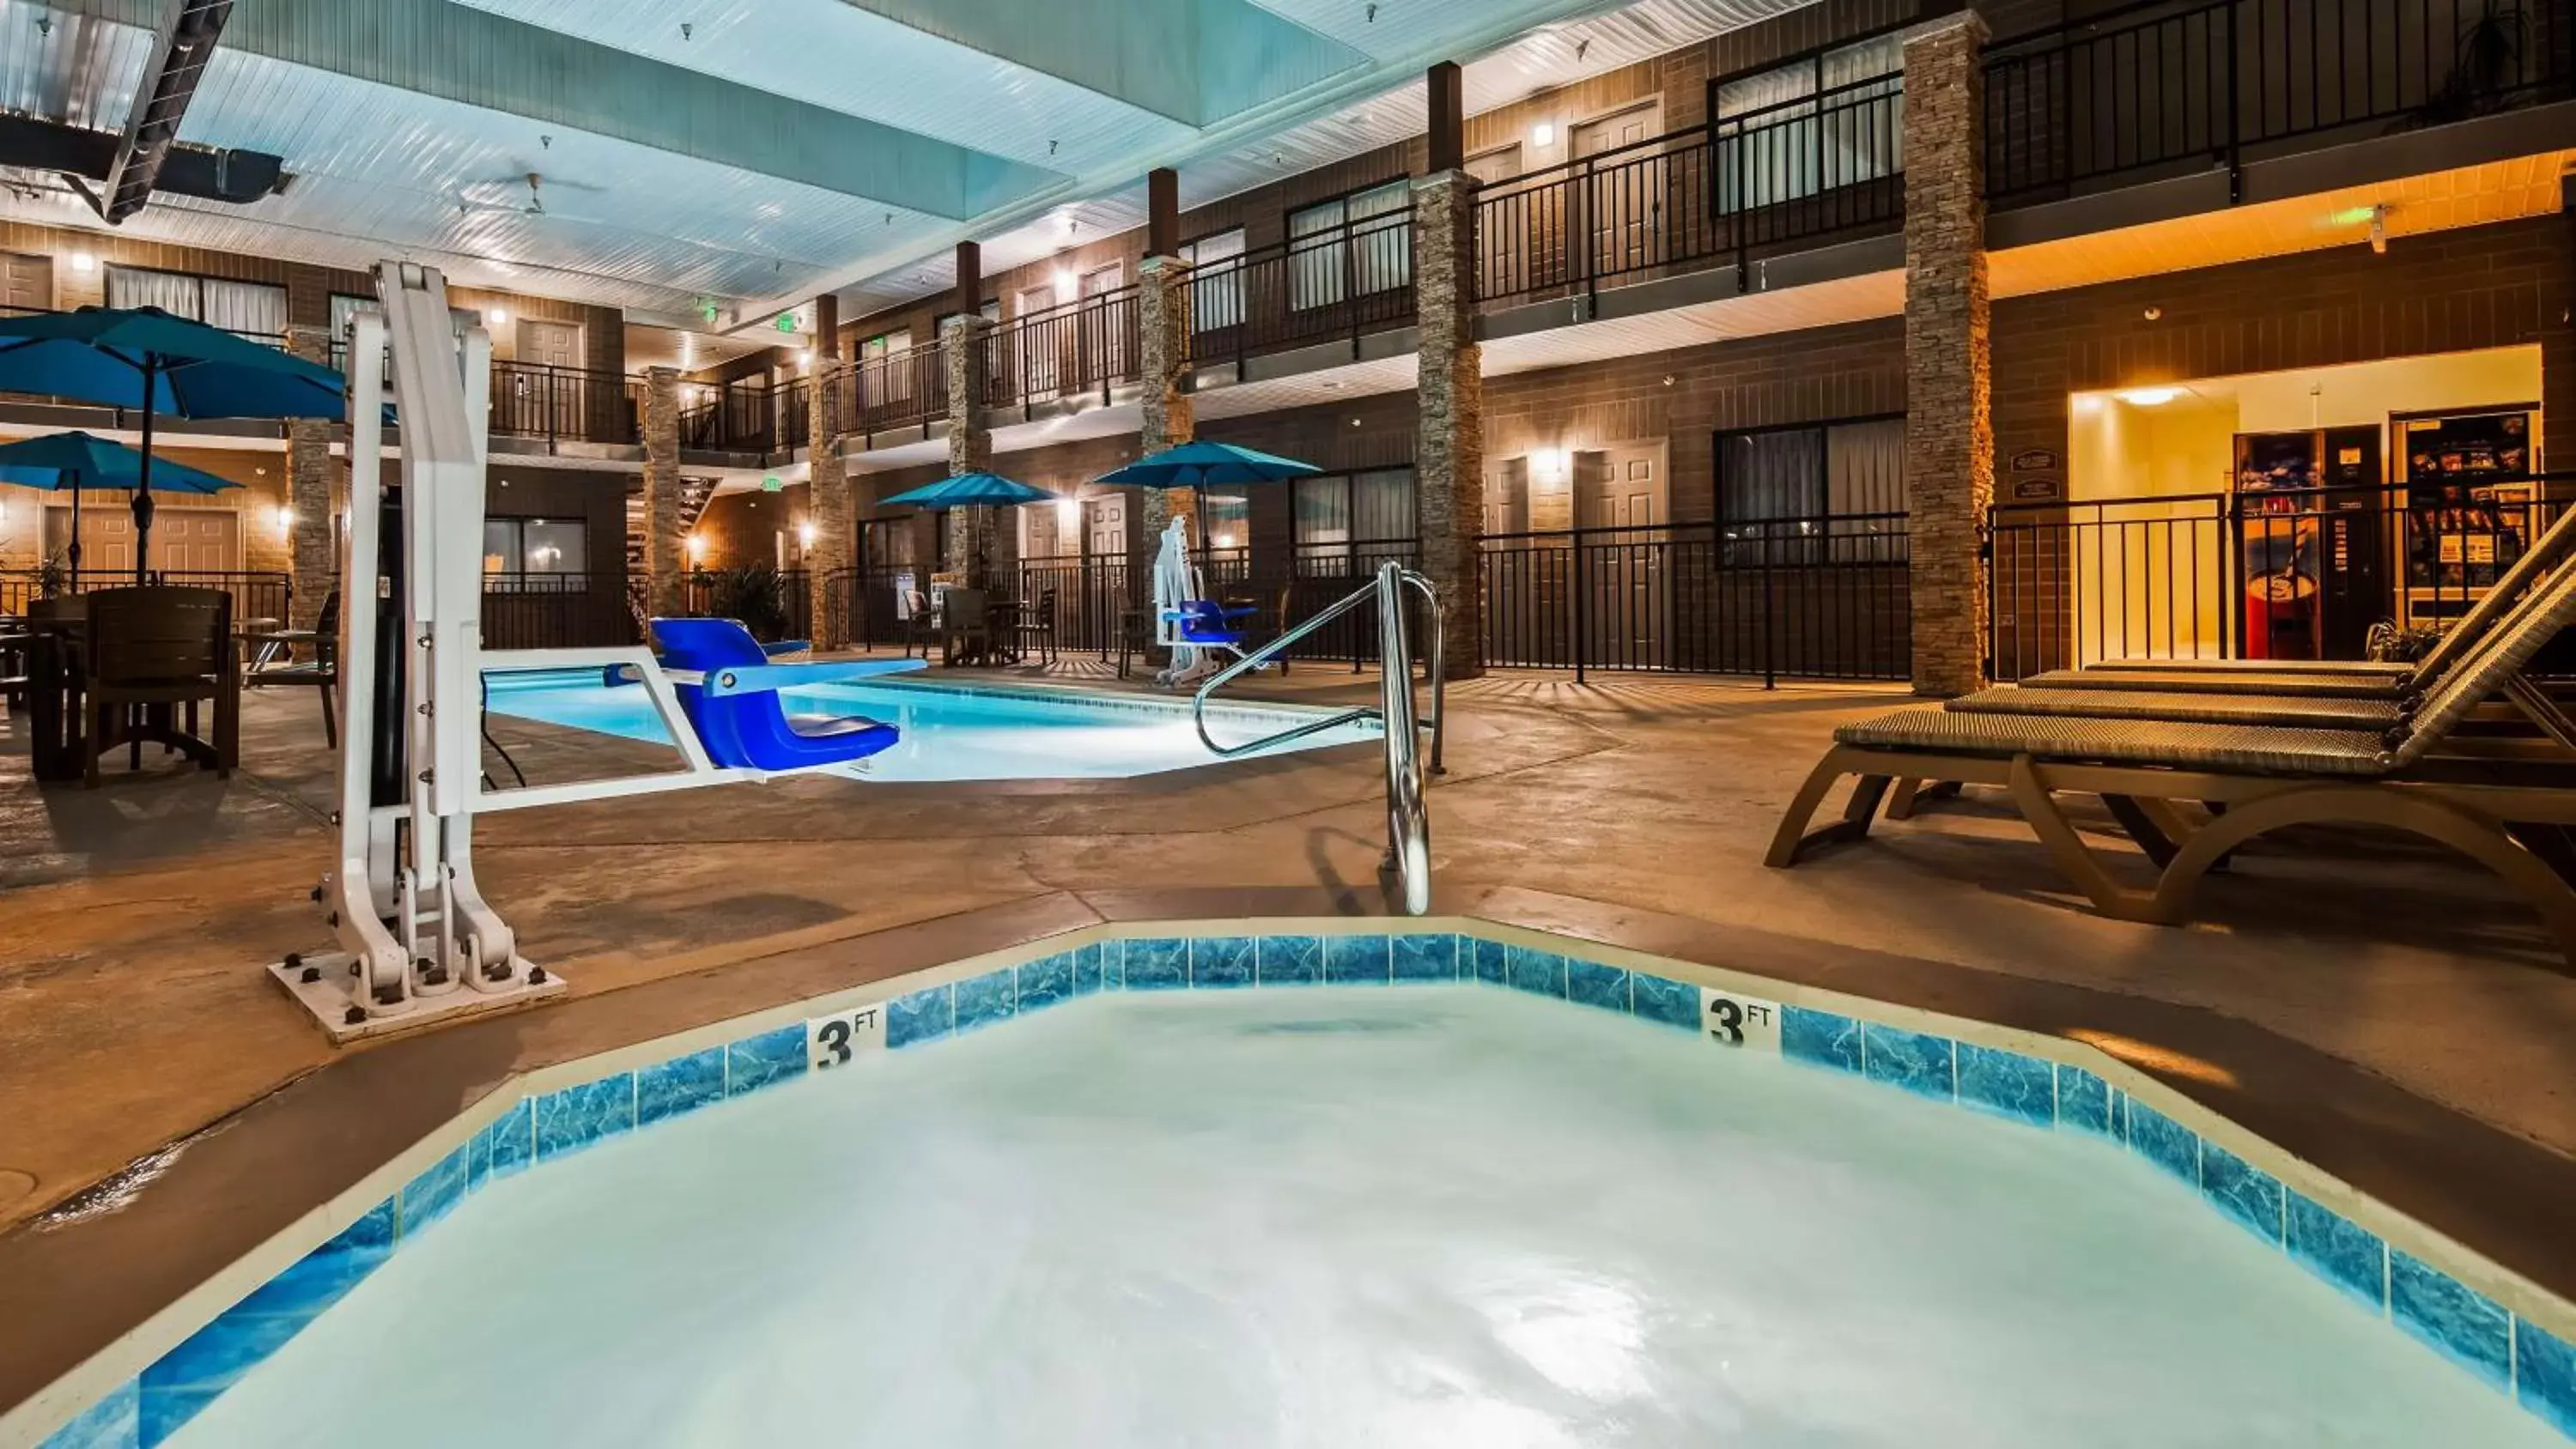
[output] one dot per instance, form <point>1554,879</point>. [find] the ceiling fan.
<point>533,205</point>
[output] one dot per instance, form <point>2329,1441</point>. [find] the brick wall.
<point>743,528</point>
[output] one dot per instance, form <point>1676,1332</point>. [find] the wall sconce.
<point>805,535</point>
<point>697,547</point>
<point>1549,465</point>
<point>84,262</point>
<point>1067,285</point>
<point>285,520</point>
<point>1542,136</point>
<point>1068,513</point>
<point>500,316</point>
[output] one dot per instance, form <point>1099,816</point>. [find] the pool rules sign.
<point>1732,1019</point>
<point>831,1041</point>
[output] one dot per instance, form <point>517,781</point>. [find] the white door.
<point>1040,344</point>
<point>1620,501</point>
<point>1104,330</point>
<point>557,348</point>
<point>1623,197</point>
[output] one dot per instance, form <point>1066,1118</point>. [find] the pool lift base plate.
<point>329,998</point>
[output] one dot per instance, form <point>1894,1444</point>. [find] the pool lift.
<point>416,939</point>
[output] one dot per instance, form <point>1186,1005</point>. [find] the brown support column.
<point>1949,425</point>
<point>970,279</point>
<point>831,582</point>
<point>1449,453</point>
<point>1168,417</point>
<point>827,330</point>
<point>1448,89</point>
<point>313,488</point>
<point>666,548</point>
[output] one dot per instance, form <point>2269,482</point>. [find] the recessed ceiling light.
<point>2150,397</point>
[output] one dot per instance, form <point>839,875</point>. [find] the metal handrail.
<point>1408,845</point>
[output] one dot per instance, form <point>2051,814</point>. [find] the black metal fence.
<point>774,604</point>
<point>556,611</point>
<point>566,404</point>
<point>2288,574</point>
<point>1782,598</point>
<point>1091,600</point>
<point>1329,286</point>
<point>256,594</point>
<point>1729,189</point>
<point>2186,84</point>
<point>745,416</point>
<point>900,390</point>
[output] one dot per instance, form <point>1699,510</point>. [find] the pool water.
<point>952,732</point>
<point>1341,1217</point>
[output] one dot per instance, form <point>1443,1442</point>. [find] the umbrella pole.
<point>74,550</point>
<point>143,483</point>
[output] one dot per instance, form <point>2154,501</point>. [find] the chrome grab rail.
<point>1408,816</point>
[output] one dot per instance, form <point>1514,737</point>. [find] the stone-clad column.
<point>1169,417</point>
<point>983,543</point>
<point>312,489</point>
<point>1949,427</point>
<point>666,547</point>
<point>829,508</point>
<point>1449,454</point>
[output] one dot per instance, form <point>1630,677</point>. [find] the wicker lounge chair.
<point>2258,778</point>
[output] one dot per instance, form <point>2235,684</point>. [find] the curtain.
<point>1385,259</point>
<point>245,307</point>
<point>1315,266</point>
<point>1216,300</point>
<point>1794,151</point>
<point>172,293</point>
<point>1864,485</point>
<point>1771,486</point>
<point>1225,520</point>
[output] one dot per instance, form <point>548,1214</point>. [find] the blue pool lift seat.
<point>734,705</point>
<point>1211,625</point>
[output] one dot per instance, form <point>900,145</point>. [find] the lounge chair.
<point>732,701</point>
<point>2258,778</point>
<point>321,673</point>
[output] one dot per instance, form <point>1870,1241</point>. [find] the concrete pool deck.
<point>2384,1012</point>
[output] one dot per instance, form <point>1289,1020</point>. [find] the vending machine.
<point>2470,501</point>
<point>2308,505</point>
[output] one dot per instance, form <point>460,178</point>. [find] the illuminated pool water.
<point>953,732</point>
<point>1337,1216</point>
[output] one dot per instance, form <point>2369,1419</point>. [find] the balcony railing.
<point>1331,286</point>
<point>2183,85</point>
<point>1827,163</point>
<point>745,416</point>
<point>1078,348</point>
<point>895,390</point>
<point>565,404</point>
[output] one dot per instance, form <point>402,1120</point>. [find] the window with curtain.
<point>1790,146</point>
<point>1225,520</point>
<point>1348,524</point>
<point>1216,292</point>
<point>251,308</point>
<point>1353,240</point>
<point>518,551</point>
<point>1834,493</point>
<point>884,378</point>
<point>345,306</point>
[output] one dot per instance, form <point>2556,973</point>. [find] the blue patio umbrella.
<point>1203,464</point>
<point>78,461</point>
<point>970,490</point>
<point>146,359</point>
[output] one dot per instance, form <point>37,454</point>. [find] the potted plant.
<point>754,595</point>
<point>50,576</point>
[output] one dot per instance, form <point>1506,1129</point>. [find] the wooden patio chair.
<point>1037,627</point>
<point>150,651</point>
<point>2256,779</point>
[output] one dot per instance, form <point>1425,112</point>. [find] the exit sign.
<point>786,321</point>
<point>772,483</point>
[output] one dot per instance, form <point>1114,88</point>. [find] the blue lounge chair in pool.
<point>729,690</point>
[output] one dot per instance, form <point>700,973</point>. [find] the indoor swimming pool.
<point>1324,1217</point>
<point>956,732</point>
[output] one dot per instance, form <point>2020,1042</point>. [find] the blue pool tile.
<point>1526,968</point>
<point>1589,983</point>
<point>1820,1037</point>
<point>2242,1191</point>
<point>509,1144</point>
<point>765,1060</point>
<point>162,1412</point>
<point>373,1232</point>
<point>435,1193</point>
<point>1917,1061</point>
<point>217,1355</point>
<point>2465,1325</point>
<point>2007,1084</point>
<point>2342,1252</point>
<point>1291,960</point>
<point>983,1000</point>
<point>1089,966</point>
<point>1357,960</point>
<point>576,1117</point>
<point>925,1015</point>
<point>114,1422</point>
<point>2083,1101</point>
<point>1426,958</point>
<point>317,1280</point>
<point>1113,965</point>
<point>2163,1141</point>
<point>1489,958</point>
<point>1158,965</point>
<point>682,1084</point>
<point>1668,1003</point>
<point>2545,1373</point>
<point>1222,961</point>
<point>1044,982</point>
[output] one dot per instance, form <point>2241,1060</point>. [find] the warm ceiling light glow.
<point>1542,135</point>
<point>2150,397</point>
<point>84,262</point>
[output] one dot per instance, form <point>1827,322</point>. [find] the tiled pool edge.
<point>2508,1332</point>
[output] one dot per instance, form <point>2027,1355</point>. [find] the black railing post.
<point>1770,609</point>
<point>1351,282</point>
<point>2235,155</point>
<point>1578,617</point>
